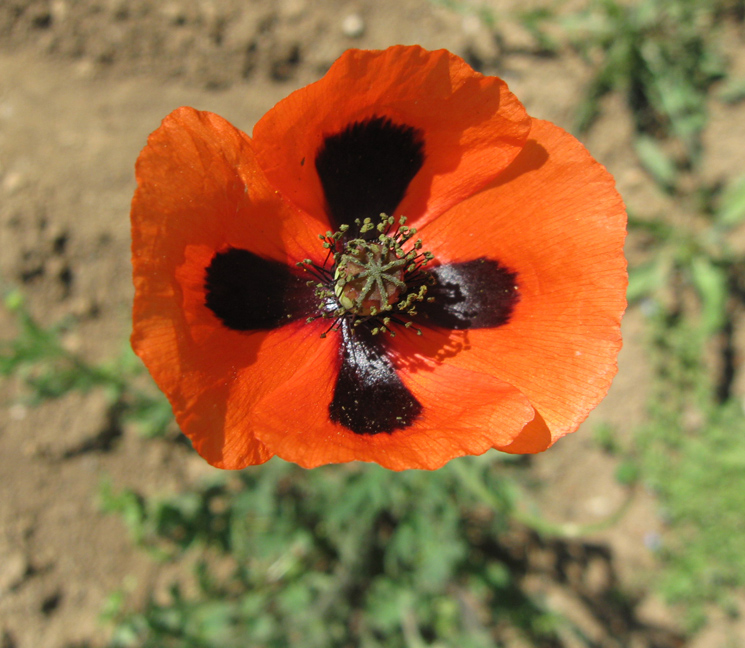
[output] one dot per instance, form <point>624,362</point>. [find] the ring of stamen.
<point>369,278</point>
<point>375,282</point>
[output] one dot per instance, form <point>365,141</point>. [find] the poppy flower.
<point>398,266</point>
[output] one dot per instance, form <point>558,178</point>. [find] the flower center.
<point>369,278</point>
<point>375,282</point>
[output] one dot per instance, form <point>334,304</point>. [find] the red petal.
<point>200,190</point>
<point>556,219</point>
<point>473,126</point>
<point>199,183</point>
<point>465,413</point>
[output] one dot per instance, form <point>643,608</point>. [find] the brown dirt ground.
<point>81,86</point>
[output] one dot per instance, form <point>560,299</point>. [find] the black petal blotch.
<point>369,397</point>
<point>366,169</point>
<point>250,293</point>
<point>474,294</point>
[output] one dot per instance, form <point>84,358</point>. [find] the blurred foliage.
<point>693,254</point>
<point>37,355</point>
<point>339,556</point>
<point>662,56</point>
<point>39,358</point>
<point>691,453</point>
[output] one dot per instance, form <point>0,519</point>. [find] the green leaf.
<point>733,90</point>
<point>627,473</point>
<point>731,211</point>
<point>14,300</point>
<point>711,284</point>
<point>645,280</point>
<point>656,162</point>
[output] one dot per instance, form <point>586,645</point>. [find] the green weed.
<point>692,454</point>
<point>663,56</point>
<point>352,555</point>
<point>39,358</point>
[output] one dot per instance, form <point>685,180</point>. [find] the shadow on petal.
<point>535,437</point>
<point>531,158</point>
<point>436,345</point>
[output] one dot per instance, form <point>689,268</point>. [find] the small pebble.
<point>18,412</point>
<point>59,10</point>
<point>12,182</point>
<point>353,26</point>
<point>13,571</point>
<point>471,25</point>
<point>293,9</point>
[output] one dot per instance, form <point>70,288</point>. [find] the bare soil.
<point>82,84</point>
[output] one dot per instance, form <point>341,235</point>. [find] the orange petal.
<point>214,385</point>
<point>555,218</point>
<point>534,437</point>
<point>199,190</point>
<point>464,413</point>
<point>198,182</point>
<point>473,126</point>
